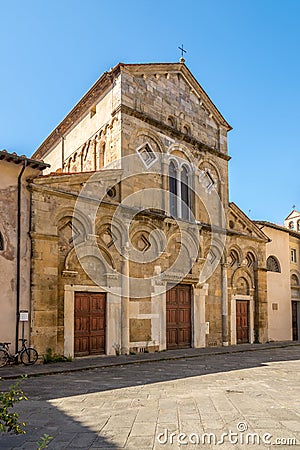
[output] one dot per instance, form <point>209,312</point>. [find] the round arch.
<point>208,162</point>
<point>242,272</point>
<point>182,149</point>
<point>295,278</point>
<point>237,253</point>
<point>273,264</point>
<point>140,136</point>
<point>83,251</point>
<point>65,212</point>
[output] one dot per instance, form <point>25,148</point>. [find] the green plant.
<point>50,357</point>
<point>9,421</point>
<point>44,441</point>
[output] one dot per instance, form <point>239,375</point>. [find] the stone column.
<point>125,302</point>
<point>113,311</point>
<point>261,305</point>
<point>68,321</point>
<point>199,324</point>
<point>219,138</point>
<point>158,299</point>
<point>95,148</point>
<point>178,177</point>
<point>165,186</point>
<point>224,267</point>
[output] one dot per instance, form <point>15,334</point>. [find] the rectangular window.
<point>293,255</point>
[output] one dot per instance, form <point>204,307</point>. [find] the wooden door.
<point>178,317</point>
<point>295,321</point>
<point>242,321</point>
<point>89,324</point>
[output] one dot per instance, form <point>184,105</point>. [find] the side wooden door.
<point>242,321</point>
<point>89,323</point>
<point>178,314</point>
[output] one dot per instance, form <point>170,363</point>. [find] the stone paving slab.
<point>87,363</point>
<point>127,407</point>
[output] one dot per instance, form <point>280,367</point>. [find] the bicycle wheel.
<point>29,356</point>
<point>3,357</point>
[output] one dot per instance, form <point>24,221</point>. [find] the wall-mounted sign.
<point>24,316</point>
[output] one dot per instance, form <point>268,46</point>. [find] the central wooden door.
<point>89,323</point>
<point>242,321</point>
<point>178,315</point>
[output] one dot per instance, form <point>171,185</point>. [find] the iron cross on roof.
<point>182,53</point>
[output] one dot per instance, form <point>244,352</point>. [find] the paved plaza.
<point>247,400</point>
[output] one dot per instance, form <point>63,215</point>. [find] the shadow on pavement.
<point>74,431</point>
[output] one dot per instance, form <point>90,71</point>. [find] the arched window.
<point>273,264</point>
<point>291,225</point>
<point>233,258</point>
<point>185,193</point>
<point>250,258</point>
<point>1,242</point>
<point>171,121</point>
<point>180,192</point>
<point>294,280</point>
<point>173,188</point>
<point>102,155</point>
<point>186,129</point>
<point>298,225</point>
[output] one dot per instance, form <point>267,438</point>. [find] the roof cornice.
<point>250,222</point>
<point>84,104</point>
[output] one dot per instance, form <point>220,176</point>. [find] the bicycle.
<point>28,355</point>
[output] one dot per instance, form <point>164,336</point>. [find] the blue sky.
<point>245,54</point>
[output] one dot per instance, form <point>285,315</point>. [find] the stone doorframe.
<point>234,298</point>
<point>113,317</point>
<point>198,324</point>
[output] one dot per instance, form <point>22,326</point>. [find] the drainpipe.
<point>19,252</point>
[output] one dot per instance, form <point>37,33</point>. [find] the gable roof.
<point>293,214</point>
<point>250,224</point>
<point>106,81</point>
<point>156,68</point>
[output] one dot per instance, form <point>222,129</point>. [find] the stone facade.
<point>146,137</point>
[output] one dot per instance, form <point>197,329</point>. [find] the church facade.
<point>135,246</point>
